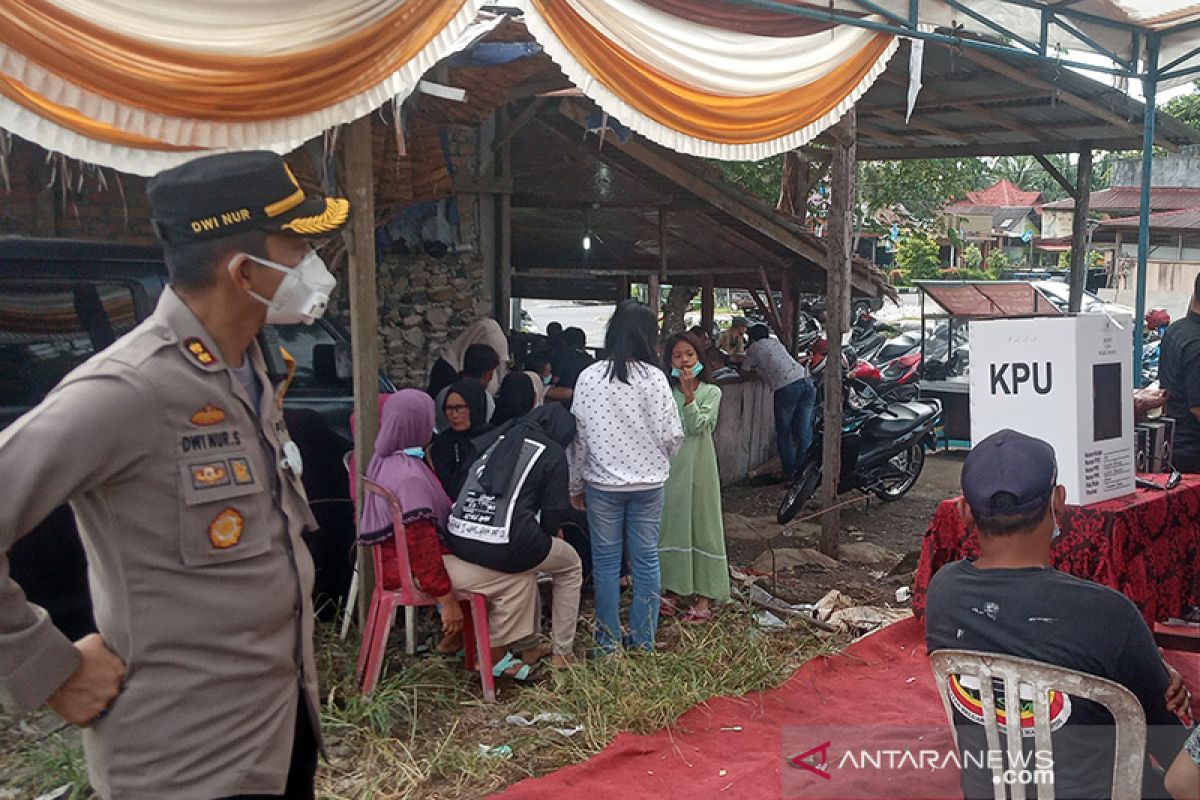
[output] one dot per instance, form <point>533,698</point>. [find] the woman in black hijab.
<point>452,452</point>
<point>515,400</point>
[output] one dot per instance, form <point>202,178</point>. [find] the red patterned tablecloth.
<point>1145,545</point>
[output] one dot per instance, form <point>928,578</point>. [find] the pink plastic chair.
<point>384,602</point>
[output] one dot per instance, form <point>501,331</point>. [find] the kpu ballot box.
<point>1068,381</point>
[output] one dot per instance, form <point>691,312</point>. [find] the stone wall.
<point>424,303</point>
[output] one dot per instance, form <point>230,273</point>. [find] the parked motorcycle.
<point>883,448</point>
<point>896,382</point>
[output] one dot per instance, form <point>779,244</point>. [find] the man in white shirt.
<point>795,396</point>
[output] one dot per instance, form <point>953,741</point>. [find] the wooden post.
<point>1079,230</point>
<point>662,244</point>
<point>837,311</point>
<point>653,290</point>
<point>708,304</point>
<point>364,318</point>
<point>504,230</point>
<point>790,321</point>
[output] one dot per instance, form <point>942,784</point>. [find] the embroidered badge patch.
<point>200,352</point>
<point>207,476</point>
<point>209,415</point>
<point>226,529</point>
<point>242,475</point>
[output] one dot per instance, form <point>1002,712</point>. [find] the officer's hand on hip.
<point>95,683</point>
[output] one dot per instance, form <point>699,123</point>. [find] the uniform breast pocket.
<point>223,517</point>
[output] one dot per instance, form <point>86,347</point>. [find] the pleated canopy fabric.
<point>141,86</point>
<point>676,78</point>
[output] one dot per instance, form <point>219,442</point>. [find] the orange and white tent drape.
<point>140,86</point>
<point>706,77</point>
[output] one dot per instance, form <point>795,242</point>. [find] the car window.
<point>300,340</point>
<point>49,328</point>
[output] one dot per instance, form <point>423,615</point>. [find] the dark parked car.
<point>62,301</point>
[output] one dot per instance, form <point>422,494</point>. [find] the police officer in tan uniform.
<point>170,447</point>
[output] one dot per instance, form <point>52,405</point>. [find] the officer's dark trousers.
<point>303,768</point>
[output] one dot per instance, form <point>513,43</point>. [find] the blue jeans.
<point>625,521</point>
<point>794,407</point>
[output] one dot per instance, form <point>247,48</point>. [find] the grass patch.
<point>419,734</point>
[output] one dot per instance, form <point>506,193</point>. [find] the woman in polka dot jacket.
<point>628,430</point>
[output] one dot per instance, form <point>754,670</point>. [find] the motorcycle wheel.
<point>909,464</point>
<point>799,492</point>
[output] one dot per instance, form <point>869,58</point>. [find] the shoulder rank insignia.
<point>226,529</point>
<point>200,351</point>
<point>209,415</point>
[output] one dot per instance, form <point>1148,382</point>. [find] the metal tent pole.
<point>1150,90</point>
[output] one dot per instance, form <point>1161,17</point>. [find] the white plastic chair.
<point>1017,673</point>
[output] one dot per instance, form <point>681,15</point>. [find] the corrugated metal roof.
<point>1186,220</point>
<point>1129,198</point>
<point>990,300</point>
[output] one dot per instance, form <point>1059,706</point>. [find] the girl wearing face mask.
<point>691,546</point>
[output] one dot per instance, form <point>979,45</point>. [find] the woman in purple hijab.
<point>405,429</point>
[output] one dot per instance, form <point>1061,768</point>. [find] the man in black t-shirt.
<point>1179,374</point>
<point>1011,601</point>
<point>566,362</point>
<point>512,505</point>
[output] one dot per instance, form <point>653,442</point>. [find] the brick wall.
<point>97,204</point>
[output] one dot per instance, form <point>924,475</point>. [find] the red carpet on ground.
<point>873,691</point>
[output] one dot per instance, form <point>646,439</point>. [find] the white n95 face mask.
<point>303,294</point>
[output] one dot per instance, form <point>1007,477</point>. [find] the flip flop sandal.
<point>500,670</point>
<point>695,617</point>
<point>667,609</point>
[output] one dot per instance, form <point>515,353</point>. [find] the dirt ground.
<point>880,542</point>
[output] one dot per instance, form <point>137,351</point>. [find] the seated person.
<point>732,340</point>
<point>518,396</point>
<point>1179,374</point>
<point>540,366</point>
<point>453,450</point>
<point>479,364</point>
<point>405,426</point>
<point>1011,601</point>
<point>566,362</point>
<point>450,362</point>
<point>511,507</point>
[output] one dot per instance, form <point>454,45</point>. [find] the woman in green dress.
<point>691,545</point>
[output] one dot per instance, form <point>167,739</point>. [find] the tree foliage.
<point>919,256</point>
<point>972,256</point>
<point>1185,108</point>
<point>760,178</point>
<point>921,186</point>
<point>998,260</point>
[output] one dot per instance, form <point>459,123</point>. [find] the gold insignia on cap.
<point>200,351</point>
<point>288,203</point>
<point>209,415</point>
<point>226,529</point>
<point>337,210</point>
